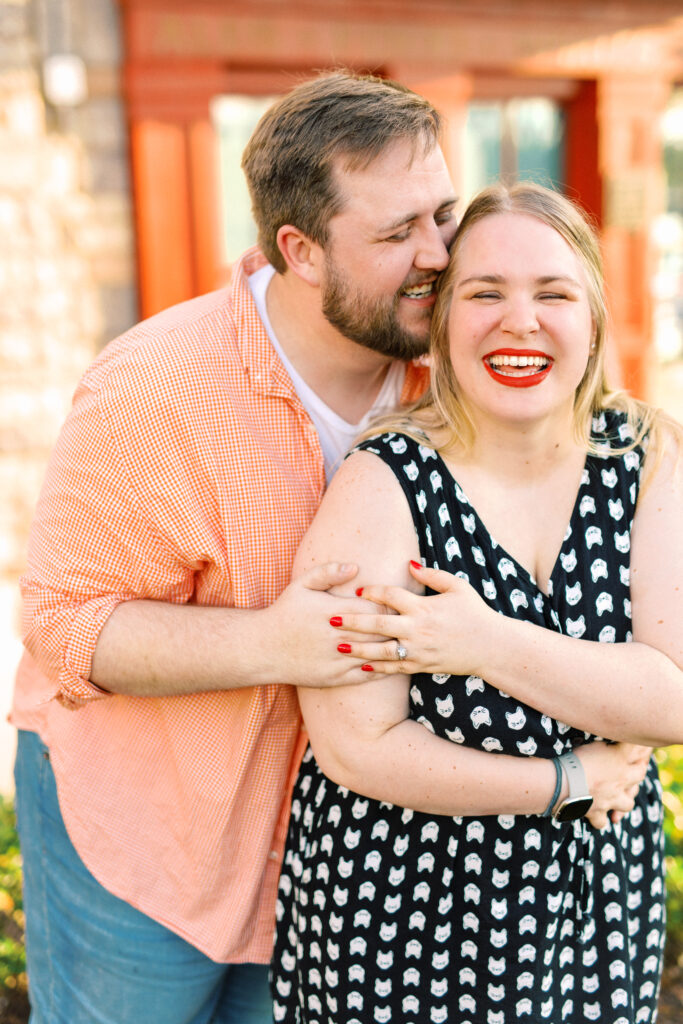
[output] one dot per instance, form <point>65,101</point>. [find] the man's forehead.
<point>402,149</point>
<point>406,164</point>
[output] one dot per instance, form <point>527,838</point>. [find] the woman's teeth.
<point>536,361</point>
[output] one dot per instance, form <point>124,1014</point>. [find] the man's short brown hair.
<point>290,158</point>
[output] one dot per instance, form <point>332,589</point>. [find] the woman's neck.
<point>522,450</point>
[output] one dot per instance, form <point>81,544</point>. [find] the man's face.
<point>386,248</point>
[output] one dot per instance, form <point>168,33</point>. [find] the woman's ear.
<point>302,256</point>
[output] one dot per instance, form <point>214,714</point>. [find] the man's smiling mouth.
<point>418,291</point>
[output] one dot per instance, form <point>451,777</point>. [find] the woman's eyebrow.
<point>487,278</point>
<point>498,279</point>
<point>549,278</point>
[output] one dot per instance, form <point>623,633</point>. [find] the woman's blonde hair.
<point>442,414</point>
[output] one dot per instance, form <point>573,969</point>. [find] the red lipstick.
<point>506,376</point>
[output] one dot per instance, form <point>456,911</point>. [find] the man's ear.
<point>302,256</point>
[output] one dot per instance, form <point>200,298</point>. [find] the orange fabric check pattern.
<point>187,471</point>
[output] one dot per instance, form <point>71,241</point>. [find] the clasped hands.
<point>448,631</point>
<point>295,635</point>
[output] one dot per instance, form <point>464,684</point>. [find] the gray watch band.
<point>576,777</point>
<point>578,801</point>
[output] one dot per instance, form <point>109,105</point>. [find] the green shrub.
<point>12,959</point>
<point>671,772</point>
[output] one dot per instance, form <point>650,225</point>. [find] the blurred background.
<point>121,130</point>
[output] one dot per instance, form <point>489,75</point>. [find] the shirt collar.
<point>260,360</point>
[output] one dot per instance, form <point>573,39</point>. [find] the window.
<point>512,140</point>
<point>234,119</point>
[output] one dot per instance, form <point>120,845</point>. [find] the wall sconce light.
<point>65,80</point>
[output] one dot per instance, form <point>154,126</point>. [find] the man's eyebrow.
<point>447,204</point>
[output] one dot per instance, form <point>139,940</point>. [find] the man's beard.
<point>372,323</point>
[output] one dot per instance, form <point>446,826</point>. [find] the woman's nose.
<point>520,318</point>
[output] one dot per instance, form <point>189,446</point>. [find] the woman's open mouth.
<point>517,369</point>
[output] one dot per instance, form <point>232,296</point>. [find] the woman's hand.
<point>449,631</point>
<point>614,772</point>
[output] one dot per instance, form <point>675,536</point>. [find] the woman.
<point>476,904</point>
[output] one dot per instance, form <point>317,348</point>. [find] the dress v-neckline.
<point>462,496</point>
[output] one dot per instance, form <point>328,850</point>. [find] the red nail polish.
<point>367,668</point>
<point>359,591</point>
<point>344,648</point>
<point>415,565</point>
<point>336,620</point>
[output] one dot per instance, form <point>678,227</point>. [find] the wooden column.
<point>582,174</point>
<point>162,215</point>
<point>628,112</point>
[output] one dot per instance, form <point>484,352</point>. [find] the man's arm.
<point>110,586</point>
<point>153,648</point>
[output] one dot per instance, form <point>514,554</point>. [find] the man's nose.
<point>433,250</point>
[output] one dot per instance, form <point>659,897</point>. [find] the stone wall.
<point>66,261</point>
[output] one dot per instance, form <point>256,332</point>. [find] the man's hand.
<point>299,642</point>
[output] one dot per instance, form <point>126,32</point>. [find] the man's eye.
<point>400,236</point>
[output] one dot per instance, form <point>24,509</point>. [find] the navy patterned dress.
<point>390,915</point>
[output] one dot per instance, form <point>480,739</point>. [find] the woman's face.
<point>520,324</point>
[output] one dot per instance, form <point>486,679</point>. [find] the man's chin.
<point>415,344</point>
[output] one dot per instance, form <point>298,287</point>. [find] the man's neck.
<point>345,375</point>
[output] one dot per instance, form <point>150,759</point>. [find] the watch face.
<point>570,810</point>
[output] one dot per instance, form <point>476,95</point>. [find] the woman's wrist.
<point>557,779</point>
<point>558,789</point>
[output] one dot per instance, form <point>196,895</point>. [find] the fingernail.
<point>336,620</point>
<point>344,648</point>
<point>367,668</point>
<point>415,565</point>
<point>359,591</point>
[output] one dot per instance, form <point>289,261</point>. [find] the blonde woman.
<point>452,855</point>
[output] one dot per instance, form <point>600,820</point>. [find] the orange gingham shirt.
<point>187,471</point>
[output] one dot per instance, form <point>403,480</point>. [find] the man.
<point>159,621</point>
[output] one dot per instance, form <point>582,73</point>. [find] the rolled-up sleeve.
<point>94,544</point>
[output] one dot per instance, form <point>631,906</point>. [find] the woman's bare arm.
<point>362,737</point>
<point>629,691</point>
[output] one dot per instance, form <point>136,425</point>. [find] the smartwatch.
<point>579,801</point>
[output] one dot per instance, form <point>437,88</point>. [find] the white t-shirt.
<point>336,434</point>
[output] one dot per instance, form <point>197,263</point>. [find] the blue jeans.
<point>94,959</point>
